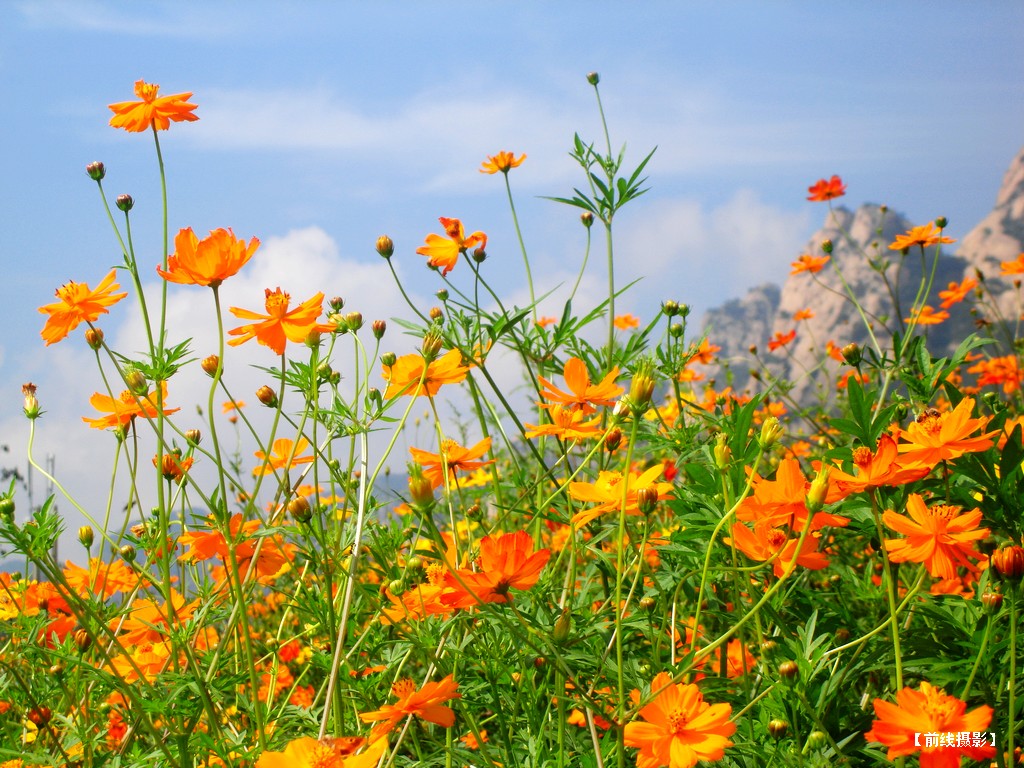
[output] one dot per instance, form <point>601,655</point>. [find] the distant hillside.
<point>861,240</point>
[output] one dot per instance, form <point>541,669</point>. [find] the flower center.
<point>146,91</point>
<point>862,456</point>
<point>277,302</point>
<point>677,721</point>
<point>403,688</point>
<point>775,538</point>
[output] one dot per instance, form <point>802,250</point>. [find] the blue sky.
<point>323,125</point>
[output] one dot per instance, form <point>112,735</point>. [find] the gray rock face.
<point>885,284</point>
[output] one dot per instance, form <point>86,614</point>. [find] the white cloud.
<point>702,256</point>
<point>174,21</point>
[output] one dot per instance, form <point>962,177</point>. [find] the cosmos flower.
<point>824,190</point>
<point>209,261</point>
<point>76,304</point>
<point>957,292</point>
<point>625,322</point>
<point>936,437</point>
<point>766,542</point>
<point>874,469</point>
<point>927,315</point>
<point>926,235</point>
<point>566,424</point>
<point>502,162</point>
<point>507,561</point>
<point>280,325</point>
<point>582,394</point>
<point>808,263</point>
<point>284,454</point>
<point>307,752</point>
<point>426,702</point>
<point>678,727</point>
<point>406,375</point>
<point>443,252</point>
<point>780,340</point>
<point>607,492</point>
<point>1012,267</point>
<point>453,456</point>
<point>153,110</point>
<point>938,536</point>
<point>123,409</point>
<point>930,711</point>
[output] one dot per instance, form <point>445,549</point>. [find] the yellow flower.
<point>502,162</point>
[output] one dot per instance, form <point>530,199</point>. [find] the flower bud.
<point>39,716</point>
<point>474,513</point>
<point>788,671</point>
<point>670,308</point>
<point>992,602</point>
<point>421,490</point>
<point>388,359</point>
<point>431,344</point>
<point>817,740</point>
<point>851,353</point>
<point>587,218</point>
<point>336,303</point>
<point>593,78</point>
<point>57,670</point>
<point>94,338</point>
<point>1009,562</point>
<point>86,536</point>
<point>777,728</point>
<point>722,452</point>
<point>613,439</point>
<point>378,328</point>
<point>324,370</point>
<point>127,552</point>
<point>771,431</point>
<point>7,508</point>
<point>299,509</point>
<point>124,203</point>
<point>826,246</point>
<point>647,500</point>
<point>818,491</point>
<point>641,389</point>
<point>31,403</point>
<point>375,396</point>
<point>210,364</point>
<point>436,315</point>
<point>768,648</point>
<point>96,170</point>
<point>442,294</point>
<point>385,246</point>
<point>82,640</point>
<point>647,603</point>
<point>136,381</point>
<point>267,396</point>
<point>684,310</point>
<point>193,436</point>
<point>563,626</point>
<point>942,222</point>
<point>676,330</point>
<point>479,255</point>
<point>312,339</point>
<point>354,321</point>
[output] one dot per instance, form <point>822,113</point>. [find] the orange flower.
<point>280,325</point>
<point>126,407</point>
<point>780,339</point>
<point>834,351</point>
<point>679,727</point>
<point>545,321</point>
<point>404,377</point>
<point>823,190</point>
<point>209,261</point>
<point>625,322</point>
<point>284,454</point>
<point>607,492</point>
<point>204,545</point>
<point>803,314</point>
<point>232,405</point>
<point>584,395</point>
<point>329,753</point>
<point>505,562</point>
<point>783,501</point>
<point>566,424</point>
<point>924,236</point>
<point>883,467</point>
<point>101,578</point>
<point>808,263</point>
<point>444,251</point>
<point>936,437</point>
<point>502,162</point>
<point>453,456</point>
<point>704,352</point>
<point>768,543</point>
<point>137,116</point>
<point>1014,267</point>
<point>78,304</point>
<point>905,727</point>
<point>939,536</point>
<point>173,466</point>
<point>426,702</point>
<point>999,370</point>
<point>957,292</point>
<point>927,315</point>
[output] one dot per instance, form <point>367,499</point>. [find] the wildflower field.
<point>608,558</point>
